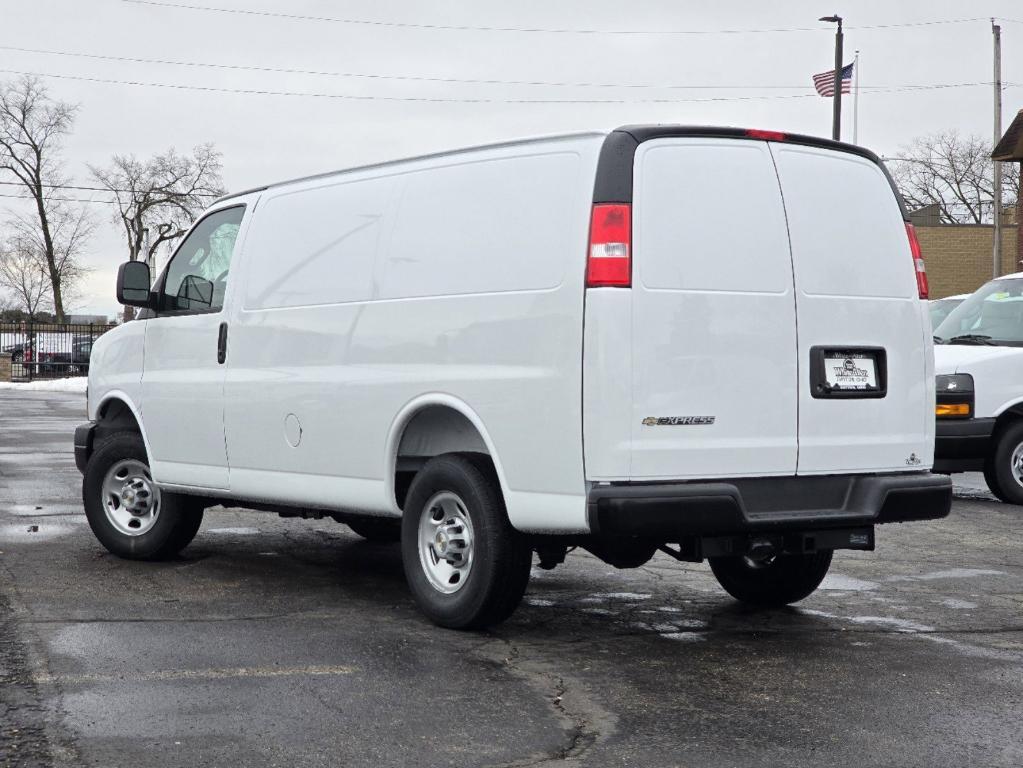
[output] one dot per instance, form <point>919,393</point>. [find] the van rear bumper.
<point>674,511</point>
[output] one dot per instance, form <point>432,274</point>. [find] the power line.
<point>104,189</point>
<point>417,78</point>
<point>545,30</point>
<point>451,100</point>
<point>375,76</point>
<point>61,199</point>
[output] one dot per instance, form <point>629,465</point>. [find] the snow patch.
<point>235,531</point>
<point>954,602</point>
<point>836,581</point>
<point>684,637</point>
<point>951,573</point>
<point>539,601</point>
<point>620,596</point>
<point>76,384</point>
<point>901,625</point>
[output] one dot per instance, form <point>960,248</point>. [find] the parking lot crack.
<point>583,719</point>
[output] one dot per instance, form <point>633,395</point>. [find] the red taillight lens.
<point>610,257</point>
<point>918,261</point>
<point>757,133</point>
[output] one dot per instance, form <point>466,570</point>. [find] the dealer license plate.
<point>855,371</point>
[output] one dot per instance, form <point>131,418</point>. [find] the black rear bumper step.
<point>672,511</point>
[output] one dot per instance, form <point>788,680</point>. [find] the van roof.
<point>633,134</point>
<point>442,153</point>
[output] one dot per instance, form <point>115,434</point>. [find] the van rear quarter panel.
<point>459,278</point>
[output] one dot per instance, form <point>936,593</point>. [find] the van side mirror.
<point>133,284</point>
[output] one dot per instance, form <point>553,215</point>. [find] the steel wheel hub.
<point>446,542</point>
<point>130,499</point>
<point>1016,464</point>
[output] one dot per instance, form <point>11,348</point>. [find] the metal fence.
<point>48,350</point>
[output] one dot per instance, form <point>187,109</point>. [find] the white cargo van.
<point>979,366</point>
<point>705,341</point>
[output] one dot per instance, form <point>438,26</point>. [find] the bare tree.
<point>69,229</point>
<point>955,173</point>
<point>159,198</point>
<point>32,126</point>
<point>23,273</point>
<point>162,195</point>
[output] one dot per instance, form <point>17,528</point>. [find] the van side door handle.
<point>222,344</point>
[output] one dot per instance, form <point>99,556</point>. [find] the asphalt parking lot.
<point>274,642</point>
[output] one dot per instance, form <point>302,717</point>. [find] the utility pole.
<point>836,115</point>
<point>996,31</point>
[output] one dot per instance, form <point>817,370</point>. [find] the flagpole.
<point>856,98</point>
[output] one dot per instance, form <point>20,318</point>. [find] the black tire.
<point>380,530</point>
<point>998,467</point>
<point>501,556</point>
<point>178,519</point>
<point>785,579</point>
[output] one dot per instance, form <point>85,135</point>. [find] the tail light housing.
<point>918,261</point>
<point>609,262</point>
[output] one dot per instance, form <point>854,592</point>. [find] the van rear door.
<point>713,325</point>
<point>857,308</point>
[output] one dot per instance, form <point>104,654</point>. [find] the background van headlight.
<point>954,396</point>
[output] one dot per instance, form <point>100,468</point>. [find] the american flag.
<point>825,81</point>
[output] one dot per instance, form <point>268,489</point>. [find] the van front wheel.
<point>127,511</point>
<point>774,581</point>
<point>1003,470</point>
<point>465,564</point>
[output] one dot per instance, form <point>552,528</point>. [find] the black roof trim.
<point>617,155</point>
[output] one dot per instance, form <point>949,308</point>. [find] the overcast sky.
<point>747,78</point>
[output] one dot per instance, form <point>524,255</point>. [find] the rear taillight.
<point>610,262</point>
<point>918,261</point>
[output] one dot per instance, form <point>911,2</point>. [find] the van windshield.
<point>992,316</point>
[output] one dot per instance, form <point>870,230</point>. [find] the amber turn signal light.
<point>952,409</point>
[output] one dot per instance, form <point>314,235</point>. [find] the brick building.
<point>958,256</point>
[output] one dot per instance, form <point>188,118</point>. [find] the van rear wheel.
<point>127,511</point>
<point>773,581</point>
<point>465,564</point>
<point>1003,470</point>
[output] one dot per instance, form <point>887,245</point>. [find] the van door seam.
<point>795,301</point>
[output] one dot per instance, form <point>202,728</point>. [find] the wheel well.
<point>1007,417</point>
<point>434,430</point>
<point>116,416</point>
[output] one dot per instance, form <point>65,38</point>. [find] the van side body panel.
<point>361,292</point>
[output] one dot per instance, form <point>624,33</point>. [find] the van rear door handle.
<point>222,344</point>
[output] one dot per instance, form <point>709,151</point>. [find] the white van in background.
<point>979,365</point>
<point>708,341</point>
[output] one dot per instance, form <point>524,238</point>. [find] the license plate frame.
<point>825,383</point>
